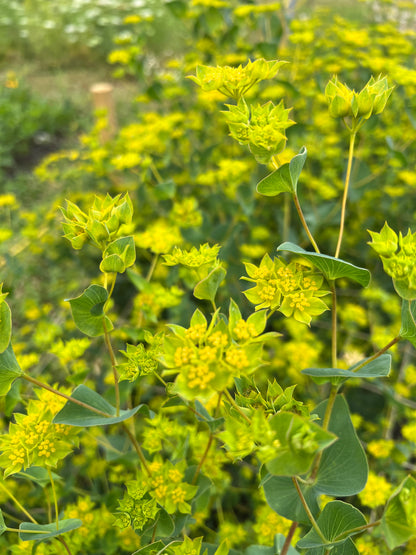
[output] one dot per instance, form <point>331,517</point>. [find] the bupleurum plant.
<point>186,412</point>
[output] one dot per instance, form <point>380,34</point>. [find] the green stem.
<point>308,511</point>
<point>67,397</point>
<point>203,459</point>
<point>17,503</point>
<point>55,500</point>
<point>152,267</point>
<point>286,218</point>
<point>303,221</point>
<point>25,531</point>
<point>289,537</point>
<point>345,196</point>
<point>113,366</point>
<point>137,448</point>
<point>63,542</point>
<point>237,408</point>
<point>379,353</point>
<point>330,406</point>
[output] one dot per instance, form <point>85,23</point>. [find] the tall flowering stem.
<point>345,196</point>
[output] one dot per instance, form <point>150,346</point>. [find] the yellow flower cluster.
<point>376,492</point>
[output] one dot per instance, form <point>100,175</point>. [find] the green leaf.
<point>282,497</point>
<point>119,255</point>
<point>336,522</point>
<point>88,313</point>
<point>343,469</point>
<point>9,369</point>
<point>332,268</point>
<point>207,287</point>
<point>2,524</point>
<point>165,525</point>
<point>299,441</point>
<point>408,329</point>
<point>38,475</point>
<point>399,519</point>
<point>49,530</point>
<point>377,368</point>
<point>5,324</point>
<point>75,415</point>
<point>284,179</point>
<point>346,548</point>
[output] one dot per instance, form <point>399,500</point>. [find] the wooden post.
<point>102,98</point>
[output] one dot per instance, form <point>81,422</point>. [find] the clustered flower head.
<point>102,223</point>
<point>261,127</point>
<point>208,357</point>
<point>193,258</point>
<point>235,81</point>
<point>165,488</point>
<point>360,106</point>
<point>293,289</point>
<point>398,254</point>
<point>140,362</point>
<point>33,440</point>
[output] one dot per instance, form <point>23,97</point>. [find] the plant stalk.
<point>303,221</point>
<point>113,366</point>
<point>55,500</point>
<point>345,196</point>
<point>137,448</point>
<point>308,511</point>
<point>288,539</point>
<point>378,353</point>
<point>17,503</point>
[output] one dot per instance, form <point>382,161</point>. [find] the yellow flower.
<point>376,492</point>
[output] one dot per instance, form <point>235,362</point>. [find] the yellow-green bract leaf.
<point>299,441</point>
<point>75,415</point>
<point>9,369</point>
<point>285,179</point>
<point>399,519</point>
<point>336,521</point>
<point>332,268</point>
<point>50,531</point>
<point>87,311</point>
<point>119,255</point>
<point>5,324</point>
<point>207,288</point>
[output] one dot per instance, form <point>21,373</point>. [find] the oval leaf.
<point>335,522</point>
<point>282,497</point>
<point>332,268</point>
<point>284,179</point>
<point>75,415</point>
<point>343,469</point>
<point>49,530</point>
<point>377,368</point>
<point>9,369</point>
<point>87,311</point>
